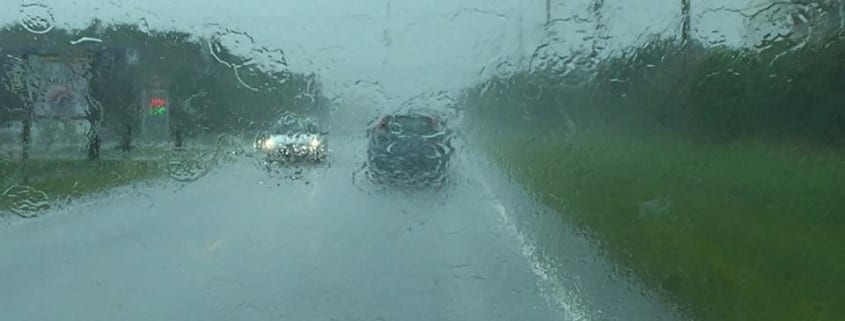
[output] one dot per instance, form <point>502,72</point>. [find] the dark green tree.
<point>206,96</point>
<point>115,82</point>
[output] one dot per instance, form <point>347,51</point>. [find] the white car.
<point>293,141</point>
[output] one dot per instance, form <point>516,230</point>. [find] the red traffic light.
<point>158,102</point>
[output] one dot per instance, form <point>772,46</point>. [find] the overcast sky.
<point>400,47</point>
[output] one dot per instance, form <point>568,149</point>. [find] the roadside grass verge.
<point>740,231</point>
<point>71,179</point>
<point>712,173</point>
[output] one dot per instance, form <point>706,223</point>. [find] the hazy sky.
<point>405,46</point>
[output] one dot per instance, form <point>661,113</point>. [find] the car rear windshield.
<point>414,124</point>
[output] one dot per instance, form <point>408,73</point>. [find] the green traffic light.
<point>158,111</point>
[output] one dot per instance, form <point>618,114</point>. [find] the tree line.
<point>786,88</point>
<point>205,96</point>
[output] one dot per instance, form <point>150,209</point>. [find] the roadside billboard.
<point>58,85</point>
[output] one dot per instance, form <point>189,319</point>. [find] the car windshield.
<point>413,124</point>
<point>409,160</point>
<point>295,127</point>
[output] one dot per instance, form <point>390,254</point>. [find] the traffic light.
<point>157,106</point>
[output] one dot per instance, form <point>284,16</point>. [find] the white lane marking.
<point>554,290</point>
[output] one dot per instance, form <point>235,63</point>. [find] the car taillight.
<point>381,124</point>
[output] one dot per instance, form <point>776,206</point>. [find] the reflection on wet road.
<point>238,245</point>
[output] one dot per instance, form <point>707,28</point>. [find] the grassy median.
<point>69,179</point>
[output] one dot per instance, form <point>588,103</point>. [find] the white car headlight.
<point>314,143</point>
<point>269,144</point>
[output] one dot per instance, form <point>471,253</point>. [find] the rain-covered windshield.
<point>297,126</point>
<point>412,124</point>
<point>633,160</point>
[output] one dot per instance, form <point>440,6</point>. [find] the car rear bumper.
<point>408,172</point>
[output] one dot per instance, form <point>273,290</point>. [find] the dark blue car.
<point>409,150</point>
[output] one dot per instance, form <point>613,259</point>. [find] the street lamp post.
<point>685,23</point>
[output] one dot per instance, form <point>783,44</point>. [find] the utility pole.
<point>548,14</point>
<point>685,56</point>
<point>26,132</point>
<point>598,32</point>
<point>29,100</point>
<point>521,45</point>
<point>685,24</point>
<point>26,122</point>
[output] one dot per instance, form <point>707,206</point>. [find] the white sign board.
<point>58,86</point>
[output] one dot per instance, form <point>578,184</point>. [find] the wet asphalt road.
<point>241,245</point>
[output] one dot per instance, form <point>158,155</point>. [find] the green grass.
<point>729,200</point>
<point>741,231</point>
<point>70,179</point>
